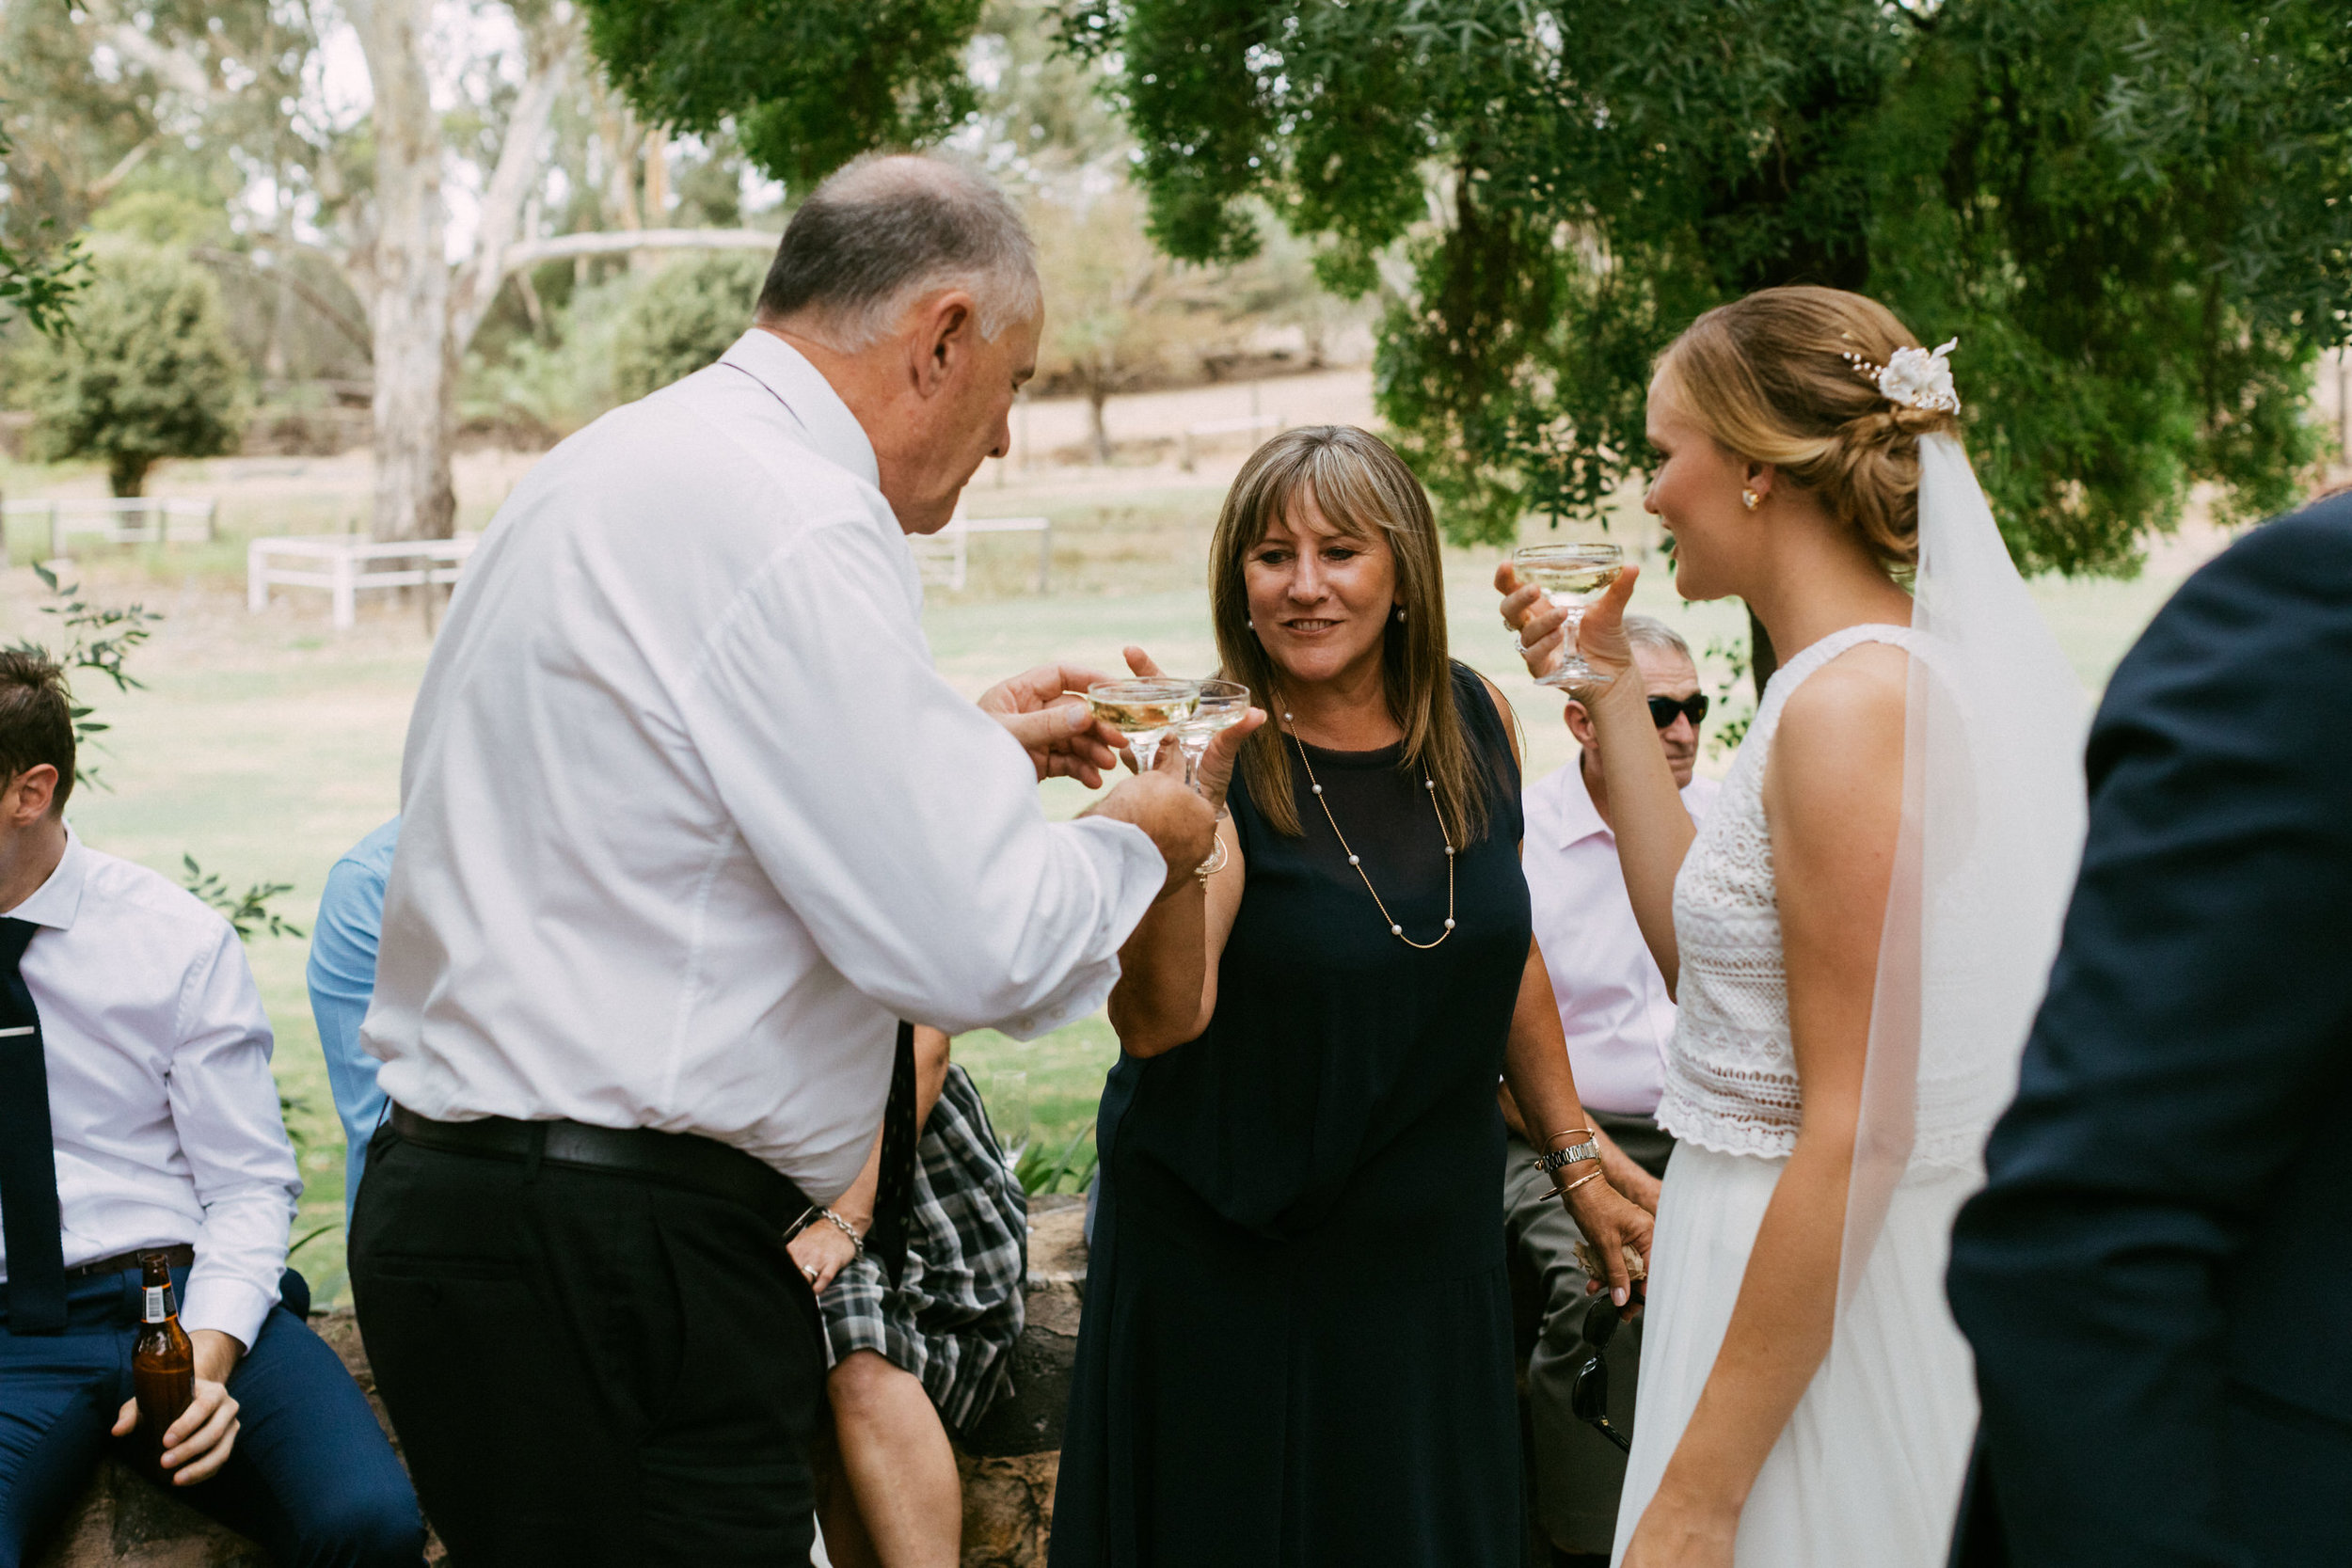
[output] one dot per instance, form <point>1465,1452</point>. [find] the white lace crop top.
<point>1731,1070</point>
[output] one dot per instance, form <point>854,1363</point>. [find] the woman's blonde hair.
<point>1768,377</point>
<point>1364,490</point>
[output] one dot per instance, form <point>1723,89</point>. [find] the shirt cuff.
<point>236,1308</point>
<point>1133,874</point>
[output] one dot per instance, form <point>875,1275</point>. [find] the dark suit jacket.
<point>2157,1280</point>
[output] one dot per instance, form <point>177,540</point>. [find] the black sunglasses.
<point>1588,1395</point>
<point>1662,710</point>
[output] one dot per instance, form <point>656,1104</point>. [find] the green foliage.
<point>149,373</point>
<point>682,318</point>
<point>246,912</point>
<point>2136,214</point>
<point>806,84</point>
<point>1731,725</point>
<point>1041,1172</point>
<point>96,638</point>
<point>36,287</point>
<point>615,340</point>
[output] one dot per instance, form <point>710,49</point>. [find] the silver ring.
<point>810,1271</point>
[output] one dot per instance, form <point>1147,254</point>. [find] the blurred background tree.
<point>2136,214</point>
<point>805,85</point>
<point>1117,310</point>
<point>698,307</point>
<point>147,373</point>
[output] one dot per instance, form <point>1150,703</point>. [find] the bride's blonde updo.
<point>1768,376</point>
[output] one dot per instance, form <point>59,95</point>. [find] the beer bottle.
<point>163,1363</point>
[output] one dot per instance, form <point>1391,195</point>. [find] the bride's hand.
<point>1535,622</point>
<point>1611,1224</point>
<point>1673,1534</point>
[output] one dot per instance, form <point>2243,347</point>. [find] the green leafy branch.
<point>41,289</point>
<point>246,912</point>
<point>96,637</point>
<point>1731,727</point>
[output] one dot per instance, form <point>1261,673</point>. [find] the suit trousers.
<point>311,1477</point>
<point>1578,1472</point>
<point>588,1367</point>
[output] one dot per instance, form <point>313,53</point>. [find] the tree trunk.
<point>414,498</point>
<point>1097,395</point>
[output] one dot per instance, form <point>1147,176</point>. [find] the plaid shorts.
<point>957,1310</point>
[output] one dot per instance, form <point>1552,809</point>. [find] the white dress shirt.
<point>690,818</point>
<point>1612,1000</point>
<point>161,1109</point>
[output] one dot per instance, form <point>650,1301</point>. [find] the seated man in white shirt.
<point>137,1114</point>
<point>1618,1016</point>
<point>689,824</point>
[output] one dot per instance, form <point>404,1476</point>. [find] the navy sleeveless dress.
<point>1296,1342</point>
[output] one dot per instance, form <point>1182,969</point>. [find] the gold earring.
<point>1749,499</point>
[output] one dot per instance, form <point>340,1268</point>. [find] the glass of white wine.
<point>1144,710</point>
<point>1572,577</point>
<point>1221,706</point>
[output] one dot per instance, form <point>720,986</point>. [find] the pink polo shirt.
<point>1612,1000</point>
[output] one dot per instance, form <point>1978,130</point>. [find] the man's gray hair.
<point>883,231</point>
<point>1648,631</point>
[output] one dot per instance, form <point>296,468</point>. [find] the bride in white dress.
<point>1857,937</point>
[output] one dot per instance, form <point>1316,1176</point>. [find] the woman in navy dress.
<point>1297,1346</point>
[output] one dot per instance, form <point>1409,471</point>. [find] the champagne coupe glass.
<point>1221,706</point>
<point>1572,577</point>
<point>1144,710</point>
<point>1007,1101</point>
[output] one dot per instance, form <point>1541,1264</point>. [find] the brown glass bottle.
<point>163,1363</point>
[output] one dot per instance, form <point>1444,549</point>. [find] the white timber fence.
<point>345,564</point>
<point>127,520</point>
<point>945,557</point>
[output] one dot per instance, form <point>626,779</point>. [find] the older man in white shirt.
<point>1618,1016</point>
<point>690,822</point>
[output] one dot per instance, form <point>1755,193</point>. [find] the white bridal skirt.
<point>1868,1472</point>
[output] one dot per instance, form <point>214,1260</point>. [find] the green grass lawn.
<point>266,745</point>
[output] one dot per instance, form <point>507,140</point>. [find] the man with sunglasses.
<point>1618,1015</point>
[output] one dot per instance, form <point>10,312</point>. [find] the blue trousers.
<point>312,1477</point>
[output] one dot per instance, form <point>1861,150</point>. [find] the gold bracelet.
<point>1588,1131</point>
<point>1579,1182</point>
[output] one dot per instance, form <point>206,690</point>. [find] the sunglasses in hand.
<point>1664,710</point>
<point>1588,1395</point>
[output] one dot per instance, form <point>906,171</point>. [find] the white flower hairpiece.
<point>1914,377</point>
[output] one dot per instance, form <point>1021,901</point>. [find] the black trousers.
<point>587,1368</point>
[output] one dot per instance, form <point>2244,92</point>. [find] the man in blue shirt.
<point>342,979</point>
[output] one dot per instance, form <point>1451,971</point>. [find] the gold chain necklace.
<point>1354,859</point>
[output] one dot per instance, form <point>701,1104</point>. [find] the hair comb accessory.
<point>1912,377</point>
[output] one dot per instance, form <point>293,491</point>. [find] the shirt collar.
<point>817,415</point>
<point>1579,819</point>
<point>56,901</point>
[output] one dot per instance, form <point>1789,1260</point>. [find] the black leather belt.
<point>180,1257</point>
<point>679,1158</point>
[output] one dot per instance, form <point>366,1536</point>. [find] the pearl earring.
<point>1400,615</point>
<point>1749,499</point>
